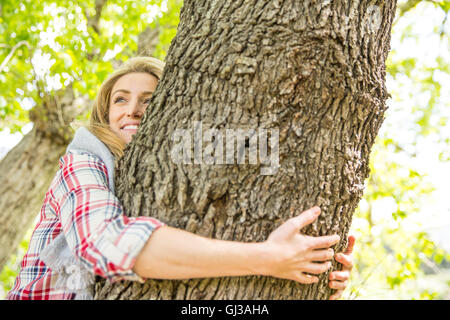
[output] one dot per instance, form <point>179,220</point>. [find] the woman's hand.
<point>339,279</point>
<point>299,255</point>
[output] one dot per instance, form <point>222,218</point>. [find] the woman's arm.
<point>117,247</point>
<point>105,241</point>
<point>176,254</point>
<point>172,253</point>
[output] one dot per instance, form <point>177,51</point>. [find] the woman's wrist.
<point>262,259</point>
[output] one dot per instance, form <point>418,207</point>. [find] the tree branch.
<point>11,54</point>
<point>93,21</point>
<point>148,40</point>
<point>410,4</point>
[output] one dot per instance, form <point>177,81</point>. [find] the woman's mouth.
<point>130,128</point>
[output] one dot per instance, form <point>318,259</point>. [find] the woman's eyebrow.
<point>126,91</point>
<point>120,90</point>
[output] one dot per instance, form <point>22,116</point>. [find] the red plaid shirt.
<point>80,204</point>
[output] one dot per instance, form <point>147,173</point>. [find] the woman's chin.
<point>127,136</point>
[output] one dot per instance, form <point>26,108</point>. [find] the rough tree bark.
<point>314,70</point>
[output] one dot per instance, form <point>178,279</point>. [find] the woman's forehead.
<point>135,82</point>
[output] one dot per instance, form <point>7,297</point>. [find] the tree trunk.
<point>26,173</point>
<point>314,71</point>
<point>27,170</point>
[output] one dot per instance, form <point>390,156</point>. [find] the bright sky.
<point>435,214</point>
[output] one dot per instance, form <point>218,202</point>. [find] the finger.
<point>339,285</point>
<point>321,255</point>
<point>345,260</point>
<point>340,275</point>
<point>306,278</point>
<point>351,243</point>
<point>337,295</point>
<point>317,268</point>
<point>324,241</point>
<point>305,218</point>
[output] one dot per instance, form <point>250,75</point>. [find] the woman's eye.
<point>118,99</point>
<point>147,101</point>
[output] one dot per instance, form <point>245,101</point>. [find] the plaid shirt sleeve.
<point>105,240</point>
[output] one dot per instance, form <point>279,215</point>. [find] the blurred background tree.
<point>50,48</point>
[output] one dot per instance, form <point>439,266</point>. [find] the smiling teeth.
<point>130,127</point>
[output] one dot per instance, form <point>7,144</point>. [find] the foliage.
<point>47,45</point>
<point>392,249</point>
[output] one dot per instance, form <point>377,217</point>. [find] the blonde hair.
<point>99,123</point>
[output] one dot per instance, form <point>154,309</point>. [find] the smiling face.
<point>129,99</point>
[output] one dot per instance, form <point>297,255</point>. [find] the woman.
<point>82,231</point>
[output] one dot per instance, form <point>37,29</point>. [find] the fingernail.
<point>331,277</point>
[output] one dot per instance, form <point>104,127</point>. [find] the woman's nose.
<point>135,109</point>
